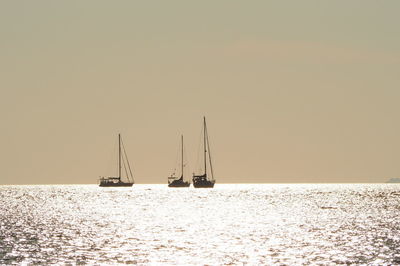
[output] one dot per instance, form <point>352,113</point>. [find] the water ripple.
<point>227,225</point>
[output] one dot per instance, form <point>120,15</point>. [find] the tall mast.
<point>119,156</point>
<point>205,148</point>
<point>182,156</point>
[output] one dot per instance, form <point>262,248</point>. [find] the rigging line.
<point>209,154</point>
<point>126,172</point>
<point>205,147</point>
<point>116,160</point>
<point>176,161</point>
<point>177,158</point>
<point>199,152</point>
<point>185,161</point>
<point>182,165</point>
<point>123,158</point>
<point>126,158</point>
<point>109,166</point>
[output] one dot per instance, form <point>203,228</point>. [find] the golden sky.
<point>293,91</point>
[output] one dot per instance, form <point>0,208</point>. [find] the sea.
<point>231,224</point>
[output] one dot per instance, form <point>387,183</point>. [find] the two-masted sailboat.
<point>174,181</point>
<point>202,181</point>
<point>122,160</point>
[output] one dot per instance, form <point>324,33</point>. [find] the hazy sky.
<point>293,91</point>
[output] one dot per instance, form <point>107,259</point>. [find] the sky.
<point>293,91</point>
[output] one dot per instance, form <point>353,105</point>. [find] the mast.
<point>182,156</point>
<point>119,157</point>
<point>205,148</point>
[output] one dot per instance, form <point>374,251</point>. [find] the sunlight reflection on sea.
<point>230,224</point>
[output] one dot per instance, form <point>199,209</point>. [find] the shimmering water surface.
<point>230,224</point>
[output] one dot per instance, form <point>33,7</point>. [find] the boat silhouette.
<point>117,181</point>
<point>202,181</point>
<point>175,181</point>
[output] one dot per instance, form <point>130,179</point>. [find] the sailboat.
<point>117,181</point>
<point>202,181</point>
<point>175,181</point>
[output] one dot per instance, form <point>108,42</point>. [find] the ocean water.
<point>229,225</point>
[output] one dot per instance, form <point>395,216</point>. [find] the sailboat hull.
<point>202,182</point>
<point>207,184</point>
<point>110,182</point>
<point>117,185</point>
<point>179,184</point>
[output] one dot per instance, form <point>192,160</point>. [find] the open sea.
<point>284,224</point>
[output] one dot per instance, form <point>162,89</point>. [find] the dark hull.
<point>207,184</point>
<point>121,184</point>
<point>178,183</point>
<point>202,182</point>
